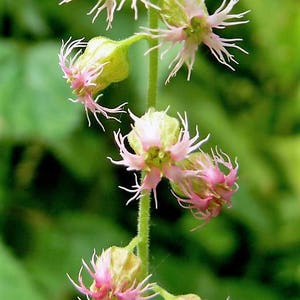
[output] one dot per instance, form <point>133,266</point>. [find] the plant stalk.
<point>144,203</point>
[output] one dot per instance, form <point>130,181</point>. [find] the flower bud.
<point>103,62</point>
<point>112,55</point>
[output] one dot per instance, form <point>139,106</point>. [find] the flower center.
<point>198,28</point>
<point>157,157</point>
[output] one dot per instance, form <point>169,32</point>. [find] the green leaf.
<point>53,115</point>
<point>33,95</point>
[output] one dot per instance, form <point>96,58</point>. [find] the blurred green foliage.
<point>58,193</point>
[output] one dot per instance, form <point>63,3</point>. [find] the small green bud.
<point>112,55</point>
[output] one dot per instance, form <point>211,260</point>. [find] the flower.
<point>206,191</point>
<point>92,71</point>
<point>189,24</point>
<point>114,275</point>
<point>159,144</point>
<point>111,6</point>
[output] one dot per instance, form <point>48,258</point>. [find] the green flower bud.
<point>111,55</point>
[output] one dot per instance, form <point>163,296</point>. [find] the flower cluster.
<point>92,71</point>
<point>189,24</point>
<point>161,146</point>
<point>115,276</point>
<point>163,149</point>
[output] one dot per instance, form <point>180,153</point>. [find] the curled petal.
<point>219,17</point>
<point>109,5</point>
<point>66,49</point>
<point>136,189</point>
<point>218,47</point>
<point>131,161</point>
<point>91,105</point>
<point>134,6</point>
<point>149,183</point>
<point>185,144</point>
<point>135,292</point>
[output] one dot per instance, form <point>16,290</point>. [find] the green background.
<point>59,195</point>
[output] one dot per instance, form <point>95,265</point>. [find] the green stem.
<point>143,232</point>
<point>144,203</point>
<point>133,244</point>
<point>135,38</point>
<point>153,59</point>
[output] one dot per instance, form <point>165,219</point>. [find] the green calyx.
<point>125,267</point>
<point>164,128</point>
<point>178,12</point>
<point>173,13</point>
<point>108,55</point>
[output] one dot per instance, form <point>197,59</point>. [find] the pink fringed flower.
<point>83,76</point>
<point>111,6</point>
<point>189,24</point>
<point>114,274</point>
<point>208,190</point>
<point>159,144</point>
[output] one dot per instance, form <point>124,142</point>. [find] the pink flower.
<point>111,6</point>
<point>84,80</point>
<point>193,26</point>
<point>209,189</point>
<point>112,279</point>
<point>159,144</point>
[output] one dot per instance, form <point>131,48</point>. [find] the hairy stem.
<point>143,232</point>
<point>144,204</point>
